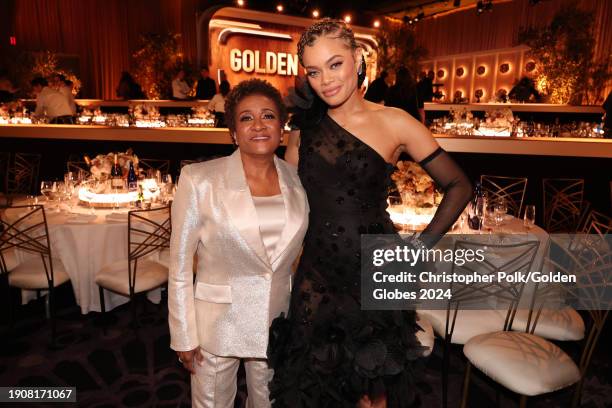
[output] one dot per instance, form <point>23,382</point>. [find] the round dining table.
<point>85,240</point>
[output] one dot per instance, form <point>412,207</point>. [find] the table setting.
<point>87,219</point>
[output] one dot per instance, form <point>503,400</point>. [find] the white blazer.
<point>238,290</point>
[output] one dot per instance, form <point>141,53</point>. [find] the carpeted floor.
<point>135,368</point>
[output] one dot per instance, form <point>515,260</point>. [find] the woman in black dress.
<point>328,352</point>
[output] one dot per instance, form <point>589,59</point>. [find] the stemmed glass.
<point>529,217</point>
<point>500,208</point>
<point>47,188</point>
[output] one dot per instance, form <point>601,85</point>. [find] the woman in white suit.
<point>245,216</point>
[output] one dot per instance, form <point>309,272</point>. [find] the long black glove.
<point>457,193</point>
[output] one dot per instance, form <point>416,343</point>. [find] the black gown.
<point>329,352</point>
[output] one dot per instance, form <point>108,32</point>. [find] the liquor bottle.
<point>140,199</point>
<point>132,180</point>
<point>116,175</point>
<point>476,208</point>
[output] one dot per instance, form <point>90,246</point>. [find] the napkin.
<point>81,218</point>
<point>117,217</point>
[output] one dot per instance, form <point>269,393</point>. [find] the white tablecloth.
<point>84,248</point>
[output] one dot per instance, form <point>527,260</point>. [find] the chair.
<point>598,223</point>
<point>512,189</point>
<point>154,164</point>
<point>530,365</point>
<point>29,233</point>
<point>78,167</point>
<point>4,165</point>
<point>21,175</point>
<point>562,204</point>
<point>148,233</point>
<point>469,312</point>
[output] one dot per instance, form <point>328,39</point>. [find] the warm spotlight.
<point>280,8</point>
<point>240,3</point>
<point>376,23</point>
<point>347,18</point>
<point>315,13</point>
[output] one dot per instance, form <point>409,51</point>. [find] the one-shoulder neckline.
<point>360,141</point>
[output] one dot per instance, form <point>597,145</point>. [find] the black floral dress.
<point>329,352</point>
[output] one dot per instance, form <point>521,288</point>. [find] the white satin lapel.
<point>239,205</point>
<point>295,210</point>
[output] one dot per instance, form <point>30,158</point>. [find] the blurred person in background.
<point>378,90</point>
<point>128,88</point>
<point>51,103</point>
<point>404,95</point>
<point>206,88</point>
<point>180,87</point>
<point>217,104</point>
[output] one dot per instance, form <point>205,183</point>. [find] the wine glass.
<point>529,217</point>
<point>46,189</point>
<point>500,208</point>
<point>153,188</point>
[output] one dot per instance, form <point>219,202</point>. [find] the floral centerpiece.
<point>420,197</point>
<point>101,165</point>
<point>416,188</point>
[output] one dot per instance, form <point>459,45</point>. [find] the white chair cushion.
<point>164,257</point>
<point>469,323</point>
<point>31,274</point>
<point>563,325</point>
<point>425,337</point>
<point>10,259</point>
<point>149,275</point>
<point>523,363</point>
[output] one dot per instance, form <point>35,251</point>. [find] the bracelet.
<point>417,243</point>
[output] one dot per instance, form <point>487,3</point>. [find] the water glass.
<point>529,216</point>
<point>47,188</point>
<point>500,208</point>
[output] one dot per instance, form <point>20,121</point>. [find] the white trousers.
<point>214,383</point>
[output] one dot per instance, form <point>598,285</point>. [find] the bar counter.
<point>533,146</point>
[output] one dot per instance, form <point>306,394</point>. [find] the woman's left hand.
<point>189,358</point>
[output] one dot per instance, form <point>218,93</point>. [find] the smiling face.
<point>258,125</point>
<point>331,68</point>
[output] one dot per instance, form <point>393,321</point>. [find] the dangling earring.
<point>281,138</point>
<point>360,69</point>
<point>234,139</point>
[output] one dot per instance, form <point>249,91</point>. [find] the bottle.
<point>87,160</point>
<point>476,208</point>
<point>140,199</point>
<point>132,180</point>
<point>116,175</point>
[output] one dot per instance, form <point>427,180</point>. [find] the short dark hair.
<point>249,88</point>
<point>39,81</point>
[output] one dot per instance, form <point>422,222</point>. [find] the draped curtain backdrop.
<point>465,31</point>
<point>102,33</point>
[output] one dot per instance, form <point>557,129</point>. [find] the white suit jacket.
<point>238,290</point>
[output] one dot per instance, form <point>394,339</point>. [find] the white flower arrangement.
<point>416,188</point>
<point>102,164</point>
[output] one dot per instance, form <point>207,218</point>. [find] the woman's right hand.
<point>190,358</point>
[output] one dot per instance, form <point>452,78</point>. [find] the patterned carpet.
<point>129,367</point>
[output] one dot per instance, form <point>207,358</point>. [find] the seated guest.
<point>180,88</point>
<point>51,103</point>
<point>217,104</point>
<point>207,88</point>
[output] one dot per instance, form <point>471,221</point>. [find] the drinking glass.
<point>32,200</point>
<point>529,216</point>
<point>46,189</point>
<point>500,208</point>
